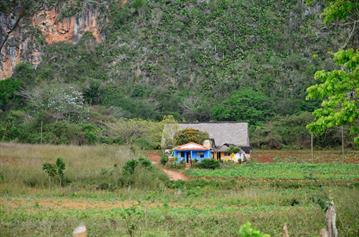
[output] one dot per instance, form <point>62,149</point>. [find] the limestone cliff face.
<point>69,29</point>
<point>19,35</point>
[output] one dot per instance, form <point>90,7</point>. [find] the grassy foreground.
<point>152,206</point>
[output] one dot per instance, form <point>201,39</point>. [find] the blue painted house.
<point>191,151</point>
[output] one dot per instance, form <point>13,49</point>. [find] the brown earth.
<point>320,156</point>
<point>172,174</point>
<point>65,203</point>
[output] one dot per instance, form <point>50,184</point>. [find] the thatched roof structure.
<point>191,147</point>
<point>221,133</point>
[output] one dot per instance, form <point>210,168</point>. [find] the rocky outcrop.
<point>20,43</point>
<point>16,43</point>
<point>68,29</point>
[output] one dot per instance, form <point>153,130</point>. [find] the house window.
<point>200,154</point>
<point>181,154</point>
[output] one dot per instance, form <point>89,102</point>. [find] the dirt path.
<point>172,174</point>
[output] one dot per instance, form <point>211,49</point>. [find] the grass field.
<point>214,204</point>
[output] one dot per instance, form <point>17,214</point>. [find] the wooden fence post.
<point>312,145</point>
<point>331,216</point>
<point>80,231</point>
<point>285,230</point>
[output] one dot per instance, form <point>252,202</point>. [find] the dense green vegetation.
<point>213,60</point>
<point>338,89</point>
<point>190,135</point>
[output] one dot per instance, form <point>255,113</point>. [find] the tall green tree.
<point>341,10</point>
<point>244,105</point>
<point>338,90</point>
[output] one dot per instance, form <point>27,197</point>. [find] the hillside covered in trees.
<point>195,60</point>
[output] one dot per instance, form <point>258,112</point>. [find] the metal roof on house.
<point>222,132</point>
<point>191,147</point>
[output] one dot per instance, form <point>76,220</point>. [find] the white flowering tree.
<point>60,101</point>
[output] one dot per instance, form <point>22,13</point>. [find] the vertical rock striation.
<point>68,29</point>
<point>19,36</point>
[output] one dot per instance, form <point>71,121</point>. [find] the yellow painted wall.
<point>230,157</point>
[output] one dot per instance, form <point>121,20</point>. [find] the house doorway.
<point>218,155</point>
<point>188,157</point>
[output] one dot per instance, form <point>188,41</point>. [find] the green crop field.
<point>333,171</point>
<point>267,195</point>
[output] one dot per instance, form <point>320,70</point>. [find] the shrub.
<point>63,132</point>
<point>56,171</point>
<point>209,164</point>
<point>141,174</point>
<point>164,159</point>
<point>145,162</point>
<point>90,133</point>
<point>247,230</point>
<point>129,167</point>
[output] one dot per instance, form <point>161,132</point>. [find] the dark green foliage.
<point>56,171</point>
<point>8,92</point>
<point>209,164</point>
<point>49,169</point>
<point>25,73</point>
<point>63,133</point>
<point>144,162</point>
<point>164,159</point>
<point>233,149</point>
<point>190,135</point>
<point>93,92</point>
<point>289,131</point>
<point>137,4</point>
<point>90,133</point>
<point>17,125</point>
<point>129,167</point>
<point>244,105</point>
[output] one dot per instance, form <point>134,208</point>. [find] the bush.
<point>90,133</point>
<point>56,171</point>
<point>63,132</point>
<point>145,162</point>
<point>141,174</point>
<point>129,167</point>
<point>247,230</point>
<point>209,164</point>
<point>164,159</point>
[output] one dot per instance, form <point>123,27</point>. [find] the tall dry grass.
<point>21,164</point>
